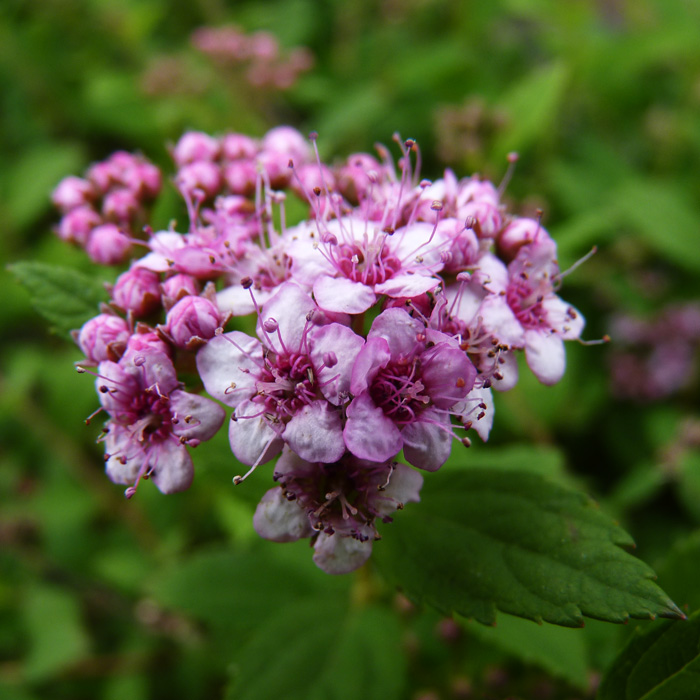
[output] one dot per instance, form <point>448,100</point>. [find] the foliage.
<point>175,597</point>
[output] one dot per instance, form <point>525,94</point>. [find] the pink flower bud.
<point>75,226</point>
<point>101,175</point>
<point>276,165</point>
<point>148,341</point>
<point>516,234</point>
<point>192,317</point>
<point>104,338</point>
<point>308,178</point>
<point>235,146</point>
<point>195,146</point>
<point>72,192</point>
<point>107,245</point>
<point>288,141</point>
<point>120,205</point>
<point>201,175</point>
<point>144,180</point>
<point>484,218</point>
<point>137,290</point>
<point>180,285</point>
<point>240,176</point>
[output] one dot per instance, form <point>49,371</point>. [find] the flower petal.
<point>315,433</point>
<point>280,520</point>
<point>340,555</point>
<point>198,418</point>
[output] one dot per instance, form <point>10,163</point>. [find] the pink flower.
<point>335,504</point>
<point>406,382</point>
<point>152,421</point>
<point>287,386</point>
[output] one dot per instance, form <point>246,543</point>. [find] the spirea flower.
<point>383,319</point>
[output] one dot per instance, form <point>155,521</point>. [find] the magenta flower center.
<point>526,304</point>
<point>367,267</point>
<point>286,384</point>
<point>398,391</point>
<point>148,416</point>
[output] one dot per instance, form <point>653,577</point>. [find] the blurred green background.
<point>166,597</point>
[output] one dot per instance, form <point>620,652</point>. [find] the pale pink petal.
<point>563,317</point>
<point>368,433</point>
<point>500,321</point>
<point>280,520</point>
<point>228,365</point>
<point>315,433</point>
<point>344,344</point>
<point>480,402</point>
<point>289,308</point>
<point>237,300</point>
<point>404,487</point>
<point>373,356</point>
<point>340,555</point>
<point>399,329</point>
<point>407,285</point>
<point>125,455</point>
<point>508,369</point>
<point>172,468</point>
<point>342,295</point>
<point>252,439</point>
<point>545,355</point>
<point>427,442</point>
<point>197,417</point>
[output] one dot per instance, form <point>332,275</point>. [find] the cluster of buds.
<point>385,319</point>
<point>103,211</point>
<point>259,52</point>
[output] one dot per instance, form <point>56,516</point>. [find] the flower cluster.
<point>259,52</point>
<point>385,319</point>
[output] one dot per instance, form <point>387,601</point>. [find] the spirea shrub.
<point>385,320</point>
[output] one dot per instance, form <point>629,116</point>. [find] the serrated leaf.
<point>63,296</point>
<point>661,662</point>
<point>318,649</point>
<point>485,540</point>
<point>562,652</point>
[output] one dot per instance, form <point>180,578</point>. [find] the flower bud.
<point>147,341</point>
<point>180,285</point>
<point>516,234</point>
<point>201,175</point>
<point>287,142</point>
<point>107,245</point>
<point>104,338</point>
<point>120,205</point>
<point>240,176</point>
<point>72,192</point>
<point>195,146</point>
<point>75,226</point>
<point>144,180</point>
<point>192,317</point>
<point>137,290</point>
<point>235,146</point>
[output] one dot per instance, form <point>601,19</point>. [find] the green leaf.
<point>662,216</point>
<point>233,590</point>
<point>681,572</point>
<point>661,662</point>
<point>560,651</point>
<point>317,649</point>
<point>52,619</point>
<point>532,105</point>
<point>63,296</point>
<point>484,540</point>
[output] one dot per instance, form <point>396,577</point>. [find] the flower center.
<point>367,266</point>
<point>398,392</point>
<point>286,384</point>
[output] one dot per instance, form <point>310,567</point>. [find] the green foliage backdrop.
<point>176,597</point>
